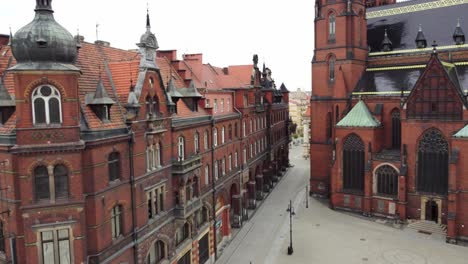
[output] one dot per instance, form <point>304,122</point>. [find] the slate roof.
<point>392,81</point>
<point>437,17</point>
<point>359,116</point>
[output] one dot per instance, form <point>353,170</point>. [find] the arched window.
<point>396,129</point>
<point>155,105</point>
<point>205,138</point>
<point>353,164</point>
<point>61,181</point>
<point>235,130</point>
<point>230,132</point>
<point>216,170</point>
<point>196,142</point>
<point>116,221</point>
<point>329,127</point>
<point>207,175</point>
<point>215,137</point>
<point>181,149</point>
<point>251,126</point>
<point>157,154</point>
<point>41,182</point>
<point>337,114</point>
<point>149,109</point>
<point>331,69</point>
<point>331,27</point>
<point>222,135</point>
<point>387,180</point>
<point>114,166</point>
<point>157,252</point>
<point>46,105</point>
<point>433,163</point>
<point>149,158</point>
<point>244,129</point>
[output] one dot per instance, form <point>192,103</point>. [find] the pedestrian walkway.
<point>322,236</point>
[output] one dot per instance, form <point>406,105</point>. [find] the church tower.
<point>339,60</point>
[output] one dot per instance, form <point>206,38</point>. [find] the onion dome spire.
<point>44,5</point>
<point>459,35</point>
<point>44,41</point>
<point>387,44</point>
<point>421,41</point>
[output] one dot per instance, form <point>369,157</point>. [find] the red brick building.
<point>115,156</point>
<point>388,118</point>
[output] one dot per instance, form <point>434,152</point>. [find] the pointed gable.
<point>359,116</point>
<point>463,133</point>
<point>437,93</point>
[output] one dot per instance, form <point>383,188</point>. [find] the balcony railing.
<point>183,211</point>
<point>259,108</point>
<point>186,165</point>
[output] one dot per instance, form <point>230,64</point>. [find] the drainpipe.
<point>213,185</point>
<point>132,193</point>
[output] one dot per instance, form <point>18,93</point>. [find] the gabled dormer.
<point>100,102</point>
<point>437,93</point>
<point>7,104</point>
<point>191,96</point>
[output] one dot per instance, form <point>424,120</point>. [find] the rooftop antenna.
<point>97,31</point>
<point>11,38</point>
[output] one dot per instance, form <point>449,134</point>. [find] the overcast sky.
<point>226,32</point>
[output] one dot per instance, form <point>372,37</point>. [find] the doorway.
<point>432,211</point>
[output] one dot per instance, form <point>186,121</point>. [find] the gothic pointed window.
<point>396,129</point>
<point>387,180</point>
<point>205,139</point>
<point>433,163</point>
<point>148,107</point>
<point>46,105</point>
<point>353,164</point>
<point>158,155</point>
<point>331,69</point>
<point>156,253</point>
<point>331,27</point>
<point>222,135</point>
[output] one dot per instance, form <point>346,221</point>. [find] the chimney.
<point>102,43</point>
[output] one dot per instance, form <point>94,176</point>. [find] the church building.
<point>389,133</point>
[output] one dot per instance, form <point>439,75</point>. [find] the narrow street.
<point>322,236</point>
<point>260,239</point>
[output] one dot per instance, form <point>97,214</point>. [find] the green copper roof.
<point>463,133</point>
<point>359,116</point>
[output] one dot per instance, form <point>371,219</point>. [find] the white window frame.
<point>222,136</point>
<point>215,137</point>
<point>222,105</point>
<point>223,166</point>
<point>56,240</point>
<point>55,93</point>
<point>205,138</point>
<point>236,160</point>
<point>196,141</point>
<point>216,170</point>
<point>154,195</point>
<point>181,149</point>
<point>215,105</point>
<point>244,129</point>
<point>244,152</point>
<point>230,162</point>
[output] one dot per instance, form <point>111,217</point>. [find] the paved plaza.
<point>321,235</point>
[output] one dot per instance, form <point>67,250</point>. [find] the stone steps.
<point>428,227</point>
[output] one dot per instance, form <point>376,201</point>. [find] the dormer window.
<point>46,104</point>
<point>100,102</point>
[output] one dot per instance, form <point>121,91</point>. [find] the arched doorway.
<point>432,211</point>
<point>235,209</point>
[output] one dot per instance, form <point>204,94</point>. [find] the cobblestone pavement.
<point>322,236</point>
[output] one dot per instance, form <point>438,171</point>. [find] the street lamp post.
<point>291,213</point>
<point>307,196</point>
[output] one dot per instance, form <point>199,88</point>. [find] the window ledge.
<point>385,197</point>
